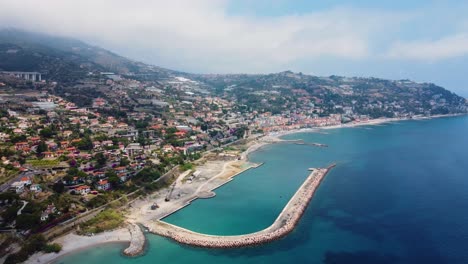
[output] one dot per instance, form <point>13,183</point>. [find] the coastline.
<point>73,243</point>
<point>371,122</point>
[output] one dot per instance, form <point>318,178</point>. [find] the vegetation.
<point>32,245</point>
<point>52,248</point>
<point>43,163</point>
<point>147,175</point>
<point>186,167</point>
<point>106,220</point>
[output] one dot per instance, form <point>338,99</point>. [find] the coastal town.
<point>92,153</point>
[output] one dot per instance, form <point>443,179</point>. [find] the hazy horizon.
<point>422,41</point>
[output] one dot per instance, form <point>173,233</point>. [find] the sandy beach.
<point>72,243</point>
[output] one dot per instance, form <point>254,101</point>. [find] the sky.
<point>425,41</point>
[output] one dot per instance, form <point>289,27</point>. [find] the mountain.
<point>279,92</point>
<point>69,62</point>
<point>63,59</point>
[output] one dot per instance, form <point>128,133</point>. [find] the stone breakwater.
<point>283,225</point>
<point>137,241</point>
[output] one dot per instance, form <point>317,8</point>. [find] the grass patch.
<point>186,167</point>
<point>43,163</point>
<point>6,175</point>
<point>106,220</point>
<point>229,148</point>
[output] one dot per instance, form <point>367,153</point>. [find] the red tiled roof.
<point>102,182</point>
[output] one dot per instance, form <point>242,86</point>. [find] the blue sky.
<point>284,7</point>
<point>420,40</point>
<point>432,20</point>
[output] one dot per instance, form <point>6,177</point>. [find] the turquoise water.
<point>399,194</point>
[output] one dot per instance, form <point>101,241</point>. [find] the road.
<point>21,209</point>
<point>30,173</point>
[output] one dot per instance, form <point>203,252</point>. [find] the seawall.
<point>283,225</point>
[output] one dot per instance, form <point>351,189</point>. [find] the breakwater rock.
<point>137,241</point>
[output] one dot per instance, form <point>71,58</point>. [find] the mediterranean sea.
<point>399,194</point>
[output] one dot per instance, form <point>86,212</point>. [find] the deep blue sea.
<point>399,194</point>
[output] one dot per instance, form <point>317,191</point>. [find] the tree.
<point>85,144</point>
<point>10,214</point>
<point>100,159</point>
<point>17,138</point>
<point>112,178</point>
<point>124,162</point>
<point>47,132</point>
<point>58,187</point>
<point>27,221</point>
<point>148,175</point>
<point>37,242</point>
<point>41,148</point>
<point>68,178</point>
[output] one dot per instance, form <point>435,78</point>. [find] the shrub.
<point>49,248</point>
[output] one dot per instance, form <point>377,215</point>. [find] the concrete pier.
<point>284,224</point>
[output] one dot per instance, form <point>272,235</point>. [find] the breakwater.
<point>283,225</point>
<point>137,241</point>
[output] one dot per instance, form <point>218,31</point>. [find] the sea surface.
<point>399,194</point>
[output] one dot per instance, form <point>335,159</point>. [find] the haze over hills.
<point>68,60</point>
<point>61,58</point>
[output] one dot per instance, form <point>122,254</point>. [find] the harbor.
<point>284,223</point>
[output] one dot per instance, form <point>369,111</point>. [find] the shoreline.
<point>258,144</point>
<point>371,122</point>
<point>73,243</point>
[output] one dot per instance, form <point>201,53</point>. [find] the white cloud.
<point>199,35</point>
<point>440,49</point>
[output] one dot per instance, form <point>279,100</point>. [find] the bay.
<point>399,194</point>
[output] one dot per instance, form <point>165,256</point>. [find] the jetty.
<point>301,142</point>
<point>137,241</point>
<point>283,225</point>
<point>294,141</point>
